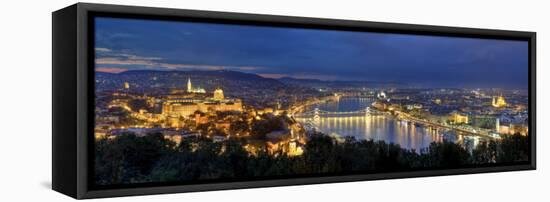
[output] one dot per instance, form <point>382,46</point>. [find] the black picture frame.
<point>73,95</point>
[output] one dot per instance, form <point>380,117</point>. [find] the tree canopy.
<point>151,158</point>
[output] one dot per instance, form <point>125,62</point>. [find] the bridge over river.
<point>465,131</point>
<point>316,114</point>
<point>356,116</point>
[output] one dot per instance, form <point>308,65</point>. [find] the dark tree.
<point>151,158</point>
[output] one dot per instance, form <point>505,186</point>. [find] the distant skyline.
<point>274,52</point>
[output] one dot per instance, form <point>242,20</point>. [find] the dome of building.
<point>218,94</point>
<point>499,101</point>
<point>381,95</point>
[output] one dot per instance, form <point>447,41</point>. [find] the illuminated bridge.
<point>413,120</point>
<point>317,113</point>
<point>313,117</point>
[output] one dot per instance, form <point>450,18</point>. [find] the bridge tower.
<point>367,111</point>
<point>316,116</point>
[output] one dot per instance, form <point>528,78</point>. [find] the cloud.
<point>103,37</point>
<point>102,50</point>
<point>110,69</point>
<point>249,68</point>
<point>135,57</point>
<point>152,62</point>
<point>123,61</point>
<point>108,57</point>
<point>116,61</point>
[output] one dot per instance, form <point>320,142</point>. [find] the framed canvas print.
<point>154,100</point>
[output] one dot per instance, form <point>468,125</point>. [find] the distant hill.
<point>316,83</point>
<point>218,73</point>
<point>226,79</point>
<point>232,80</point>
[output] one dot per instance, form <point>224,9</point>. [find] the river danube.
<point>375,127</point>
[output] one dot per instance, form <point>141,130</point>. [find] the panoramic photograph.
<point>194,102</point>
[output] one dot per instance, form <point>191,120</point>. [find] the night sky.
<point>430,61</point>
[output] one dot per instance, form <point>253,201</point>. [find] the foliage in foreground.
<point>131,159</point>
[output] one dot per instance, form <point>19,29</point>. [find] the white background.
<point>25,100</point>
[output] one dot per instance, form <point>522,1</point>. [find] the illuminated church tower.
<point>189,86</point>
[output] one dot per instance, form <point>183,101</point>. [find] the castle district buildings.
<point>185,107</point>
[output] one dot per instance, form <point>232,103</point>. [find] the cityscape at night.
<point>189,102</point>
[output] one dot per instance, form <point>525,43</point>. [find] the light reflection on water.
<point>376,127</point>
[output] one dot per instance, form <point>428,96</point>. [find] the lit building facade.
<point>188,106</point>
<point>459,118</point>
<point>218,95</point>
<point>499,102</point>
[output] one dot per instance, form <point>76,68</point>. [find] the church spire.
<point>189,86</point>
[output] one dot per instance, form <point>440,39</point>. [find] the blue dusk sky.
<point>274,52</point>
